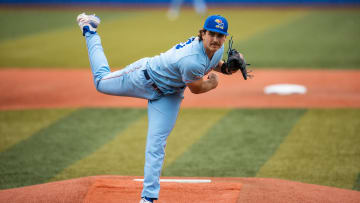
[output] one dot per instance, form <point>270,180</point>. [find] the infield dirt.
<point>40,88</point>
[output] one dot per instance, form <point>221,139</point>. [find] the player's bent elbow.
<point>100,90</point>
<point>196,92</point>
<point>196,87</point>
<point>98,87</point>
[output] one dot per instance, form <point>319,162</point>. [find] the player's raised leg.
<point>98,62</point>
<point>130,81</point>
<point>162,115</point>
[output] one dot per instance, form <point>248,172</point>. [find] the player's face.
<point>213,41</point>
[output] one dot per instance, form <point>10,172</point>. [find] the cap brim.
<point>218,31</point>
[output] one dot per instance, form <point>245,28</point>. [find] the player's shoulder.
<point>190,49</point>
<point>186,54</point>
<point>186,44</point>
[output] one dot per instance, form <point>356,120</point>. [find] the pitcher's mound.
<point>124,189</point>
<point>128,190</point>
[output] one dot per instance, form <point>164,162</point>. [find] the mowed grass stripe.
<point>17,23</point>
<point>323,148</point>
<point>49,151</point>
<point>357,183</point>
<point>181,30</point>
<point>65,47</point>
<point>237,145</point>
<point>18,125</point>
<point>258,21</point>
<point>321,39</point>
<point>61,48</point>
<point>21,22</point>
<point>191,126</point>
<point>125,154</point>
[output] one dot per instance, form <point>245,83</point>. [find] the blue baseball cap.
<point>216,23</point>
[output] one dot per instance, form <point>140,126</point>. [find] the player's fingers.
<point>213,76</point>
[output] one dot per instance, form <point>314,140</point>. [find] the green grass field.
<point>319,146</point>
<point>313,146</point>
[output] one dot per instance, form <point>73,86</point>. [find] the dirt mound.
<point>125,189</point>
<point>73,190</point>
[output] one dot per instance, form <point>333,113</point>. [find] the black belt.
<point>153,85</point>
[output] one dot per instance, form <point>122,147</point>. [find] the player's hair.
<point>200,33</point>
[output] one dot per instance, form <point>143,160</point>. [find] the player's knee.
<point>99,87</point>
<point>101,72</point>
<point>98,79</point>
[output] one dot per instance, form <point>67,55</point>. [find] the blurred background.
<point>285,34</point>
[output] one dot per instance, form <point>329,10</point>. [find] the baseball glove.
<point>235,62</point>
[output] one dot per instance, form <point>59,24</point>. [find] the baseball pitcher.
<point>162,80</point>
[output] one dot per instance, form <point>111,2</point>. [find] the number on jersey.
<point>181,45</point>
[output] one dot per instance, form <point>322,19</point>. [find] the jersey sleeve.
<point>191,70</point>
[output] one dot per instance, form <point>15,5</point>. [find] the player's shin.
<point>98,62</point>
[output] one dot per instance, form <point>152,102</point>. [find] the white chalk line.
<point>180,180</point>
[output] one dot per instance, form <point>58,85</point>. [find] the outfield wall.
<point>166,2</point>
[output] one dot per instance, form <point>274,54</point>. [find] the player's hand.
<point>214,79</point>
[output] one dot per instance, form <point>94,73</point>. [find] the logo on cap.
<point>219,23</point>
<point>216,23</point>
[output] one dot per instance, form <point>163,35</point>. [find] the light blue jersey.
<point>170,71</point>
<point>160,79</point>
<point>183,63</point>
